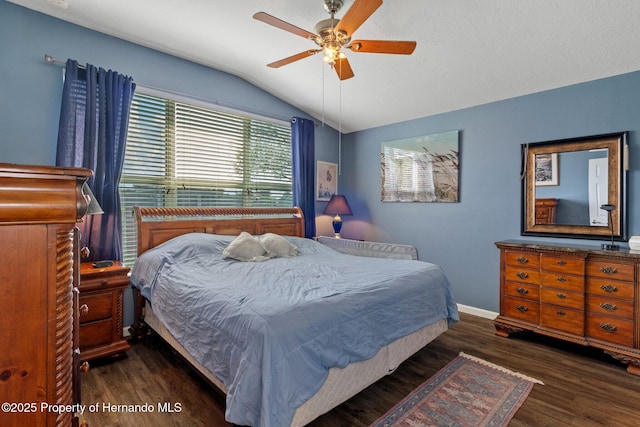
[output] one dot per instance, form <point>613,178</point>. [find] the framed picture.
<point>421,169</point>
<point>326,180</point>
<point>547,169</point>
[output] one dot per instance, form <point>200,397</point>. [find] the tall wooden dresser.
<point>39,208</point>
<point>576,293</point>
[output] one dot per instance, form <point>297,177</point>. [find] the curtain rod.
<point>51,60</point>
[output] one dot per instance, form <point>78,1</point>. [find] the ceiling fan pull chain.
<point>323,90</point>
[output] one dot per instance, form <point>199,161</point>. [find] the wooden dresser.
<point>39,208</point>
<point>576,293</point>
<point>101,300</point>
<point>546,211</point>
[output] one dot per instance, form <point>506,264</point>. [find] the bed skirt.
<point>342,383</point>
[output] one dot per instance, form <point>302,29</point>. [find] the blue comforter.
<point>271,330</point>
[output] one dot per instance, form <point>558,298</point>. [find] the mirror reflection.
<point>571,187</point>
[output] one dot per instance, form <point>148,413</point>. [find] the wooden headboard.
<point>157,225</point>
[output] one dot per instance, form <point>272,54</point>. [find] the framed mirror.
<point>566,182</point>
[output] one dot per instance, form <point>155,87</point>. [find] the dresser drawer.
<point>522,290</point>
<point>523,309</point>
<point>99,306</point>
<point>563,281</point>
<point>609,307</point>
<point>612,288</point>
<point>611,270</point>
<point>95,333</point>
<point>562,264</point>
<point>522,259</point>
<point>561,298</point>
<point>523,275</point>
<point>562,318</point>
<point>610,329</point>
<point>96,283</point>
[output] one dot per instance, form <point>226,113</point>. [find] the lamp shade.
<point>94,207</point>
<point>338,205</point>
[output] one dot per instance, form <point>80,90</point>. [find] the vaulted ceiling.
<point>469,52</point>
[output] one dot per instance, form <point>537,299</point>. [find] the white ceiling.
<point>469,52</point>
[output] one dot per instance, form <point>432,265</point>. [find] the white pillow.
<point>245,247</point>
<point>278,246</point>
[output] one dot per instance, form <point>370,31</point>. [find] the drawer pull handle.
<point>562,296</point>
<point>522,291</point>
<point>561,313</point>
<point>609,289</point>
<point>522,260</point>
<point>609,270</point>
<point>608,306</point>
<point>84,310</point>
<point>562,262</point>
<point>561,279</point>
<point>522,308</point>
<point>522,275</point>
<point>608,327</point>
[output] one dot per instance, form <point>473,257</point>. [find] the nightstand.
<point>101,311</point>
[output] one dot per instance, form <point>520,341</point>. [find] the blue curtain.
<point>303,153</point>
<point>93,130</point>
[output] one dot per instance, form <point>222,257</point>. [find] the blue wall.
<point>460,236</point>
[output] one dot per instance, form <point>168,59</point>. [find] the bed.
<point>289,337</point>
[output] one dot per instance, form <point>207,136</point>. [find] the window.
<point>190,155</point>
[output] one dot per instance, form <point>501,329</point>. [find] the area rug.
<point>467,392</point>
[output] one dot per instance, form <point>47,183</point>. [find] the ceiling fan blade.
<point>359,11</point>
<point>283,25</point>
<point>383,46</point>
<point>343,69</point>
<point>293,58</point>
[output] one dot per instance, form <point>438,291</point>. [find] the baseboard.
<point>480,312</point>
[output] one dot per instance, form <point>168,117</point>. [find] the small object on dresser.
<point>102,264</point>
<point>610,246</point>
<point>634,243</point>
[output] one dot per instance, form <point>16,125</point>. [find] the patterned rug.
<point>467,392</point>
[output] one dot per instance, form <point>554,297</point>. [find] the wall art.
<point>421,169</point>
<point>326,180</point>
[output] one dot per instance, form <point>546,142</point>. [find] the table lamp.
<point>610,246</point>
<point>337,206</point>
<point>93,208</point>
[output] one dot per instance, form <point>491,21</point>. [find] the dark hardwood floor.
<point>583,386</point>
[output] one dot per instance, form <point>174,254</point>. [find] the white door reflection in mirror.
<point>598,191</point>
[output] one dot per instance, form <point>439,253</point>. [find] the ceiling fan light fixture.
<point>331,53</point>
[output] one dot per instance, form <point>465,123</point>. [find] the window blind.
<point>188,155</point>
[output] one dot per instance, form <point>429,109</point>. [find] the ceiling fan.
<point>333,36</point>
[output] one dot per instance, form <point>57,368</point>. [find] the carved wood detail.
<point>64,323</point>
